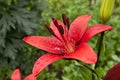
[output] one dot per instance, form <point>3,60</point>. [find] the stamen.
<point>53,18</point>
<point>68,23</point>
<point>59,27</point>
<point>61,30</point>
<point>64,19</point>
<point>50,30</point>
<point>55,22</point>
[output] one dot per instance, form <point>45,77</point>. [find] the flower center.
<point>69,47</point>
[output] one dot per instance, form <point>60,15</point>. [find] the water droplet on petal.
<point>55,57</point>
<point>57,48</point>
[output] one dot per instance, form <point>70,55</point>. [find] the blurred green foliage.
<point>19,18</point>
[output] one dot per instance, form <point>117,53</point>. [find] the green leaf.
<point>100,72</point>
<point>85,73</point>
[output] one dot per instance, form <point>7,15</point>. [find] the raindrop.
<point>53,42</point>
<point>34,41</point>
<point>57,48</point>
<point>47,61</point>
<point>41,64</point>
<point>37,63</point>
<point>55,57</point>
<point>73,31</point>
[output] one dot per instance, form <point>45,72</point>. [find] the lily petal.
<point>45,43</point>
<point>44,61</point>
<point>93,30</point>
<point>57,33</point>
<point>30,77</point>
<point>78,27</point>
<point>16,75</point>
<point>83,53</point>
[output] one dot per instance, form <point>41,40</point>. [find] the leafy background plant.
<point>19,18</point>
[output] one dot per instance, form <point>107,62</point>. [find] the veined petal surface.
<point>44,61</point>
<point>45,43</point>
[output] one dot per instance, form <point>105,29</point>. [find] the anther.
<point>55,22</point>
<point>61,30</point>
<point>50,30</point>
<point>59,27</point>
<point>68,23</point>
<point>64,19</point>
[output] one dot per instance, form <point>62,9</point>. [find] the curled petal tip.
<point>25,38</point>
<point>16,75</point>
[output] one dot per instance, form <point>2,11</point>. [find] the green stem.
<point>92,70</point>
<point>99,49</point>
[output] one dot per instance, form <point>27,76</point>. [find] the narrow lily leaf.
<point>44,61</point>
<point>113,73</point>
<point>30,77</point>
<point>16,75</point>
<point>56,31</point>
<point>100,72</point>
<point>93,30</point>
<point>86,73</point>
<point>45,43</point>
<point>83,53</point>
<point>78,27</point>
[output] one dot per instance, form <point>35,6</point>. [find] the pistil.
<point>69,47</point>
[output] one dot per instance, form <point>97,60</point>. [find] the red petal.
<point>83,53</point>
<point>54,28</point>
<point>16,75</point>
<point>30,77</point>
<point>78,27</point>
<point>92,31</point>
<point>45,43</point>
<point>44,61</point>
<point>113,73</point>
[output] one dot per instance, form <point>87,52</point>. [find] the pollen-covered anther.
<point>55,22</point>
<point>58,26</point>
<point>66,20</point>
<point>50,30</point>
<point>61,30</point>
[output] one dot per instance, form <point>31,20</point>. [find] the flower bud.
<point>106,9</point>
<point>113,73</point>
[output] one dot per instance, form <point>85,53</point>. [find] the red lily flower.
<point>113,73</point>
<point>69,42</point>
<point>16,76</point>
